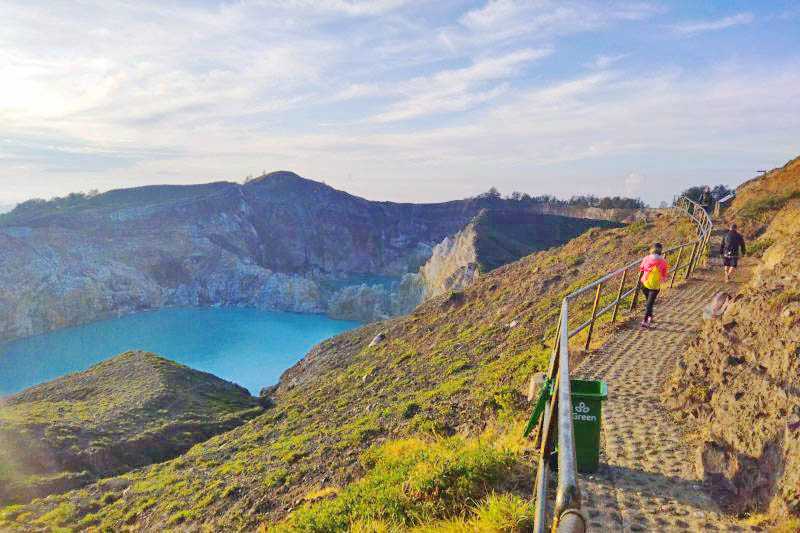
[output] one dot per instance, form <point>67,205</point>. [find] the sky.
<point>405,100</point>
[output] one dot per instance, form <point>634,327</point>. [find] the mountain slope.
<point>437,398</point>
<point>126,412</point>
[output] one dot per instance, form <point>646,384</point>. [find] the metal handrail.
<point>557,415</point>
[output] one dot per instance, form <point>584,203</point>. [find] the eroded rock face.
<point>492,239</point>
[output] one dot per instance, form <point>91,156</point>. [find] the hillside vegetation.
<point>417,428</point>
<point>759,200</point>
<point>740,380</point>
<point>132,410</point>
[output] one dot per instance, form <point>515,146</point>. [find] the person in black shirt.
<point>707,200</point>
<point>731,244</point>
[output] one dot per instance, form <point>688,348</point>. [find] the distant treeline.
<point>58,202</point>
<point>718,191</point>
<point>605,202</point>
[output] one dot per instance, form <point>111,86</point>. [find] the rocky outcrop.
<point>367,303</point>
<point>279,242</point>
<point>495,237</point>
<point>739,382</point>
<point>132,410</point>
<point>453,264</point>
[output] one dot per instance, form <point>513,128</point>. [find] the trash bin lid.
<point>597,390</point>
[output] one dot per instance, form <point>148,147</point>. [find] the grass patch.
<point>410,482</point>
<point>758,248</point>
<point>759,208</point>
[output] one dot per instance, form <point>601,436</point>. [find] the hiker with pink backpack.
<point>654,271</point>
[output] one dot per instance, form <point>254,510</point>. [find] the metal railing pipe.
<point>568,495</point>
<point>603,279</point>
<point>572,521</point>
<point>594,315</point>
<point>675,268</point>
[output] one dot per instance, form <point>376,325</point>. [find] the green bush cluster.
<point>758,248</point>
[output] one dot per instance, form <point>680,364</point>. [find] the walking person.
<point>732,244</point>
<point>707,200</point>
<point>654,271</point>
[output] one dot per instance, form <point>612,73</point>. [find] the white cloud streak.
<point>458,89</point>
<point>702,26</point>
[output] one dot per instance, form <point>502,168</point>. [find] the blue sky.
<point>407,100</point>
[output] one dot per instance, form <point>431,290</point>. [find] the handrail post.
<point>552,371</point>
<point>540,515</point>
<point>707,249</point>
<point>635,298</point>
<point>594,315</point>
<point>619,295</point>
<point>691,261</point>
<point>676,267</point>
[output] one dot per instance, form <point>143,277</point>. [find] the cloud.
<point>458,89</point>
<point>633,185</point>
<point>603,61</point>
<point>701,26</point>
<point>346,7</point>
<point>501,19</point>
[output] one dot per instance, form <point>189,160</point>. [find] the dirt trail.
<point>647,479</point>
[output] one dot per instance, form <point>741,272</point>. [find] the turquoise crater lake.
<point>246,346</point>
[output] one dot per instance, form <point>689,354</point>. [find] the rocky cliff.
<point>278,242</point>
<point>495,237</point>
<point>129,411</point>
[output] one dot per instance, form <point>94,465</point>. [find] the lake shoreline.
<point>244,345</point>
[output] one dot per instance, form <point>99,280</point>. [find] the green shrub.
<point>637,227</point>
<point>409,409</point>
<point>57,516</point>
<point>504,513</point>
<point>760,246</point>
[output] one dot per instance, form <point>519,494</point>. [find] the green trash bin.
<point>587,410</point>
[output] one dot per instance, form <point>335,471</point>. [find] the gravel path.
<point>647,479</point>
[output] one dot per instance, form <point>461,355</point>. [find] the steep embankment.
<point>740,380</point>
<point>278,242</point>
<point>129,411</point>
<point>495,237</point>
<point>456,368</point>
<point>492,239</point>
